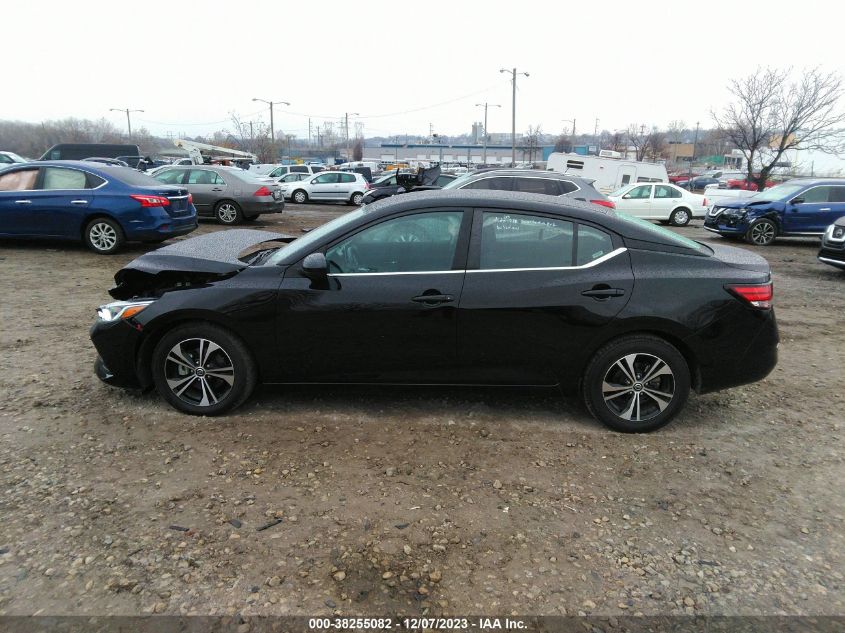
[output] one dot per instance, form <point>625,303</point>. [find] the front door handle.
<point>433,299</point>
<point>79,202</point>
<point>23,201</point>
<point>217,189</point>
<point>603,293</point>
<point>825,209</point>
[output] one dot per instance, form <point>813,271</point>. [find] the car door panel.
<point>17,189</point>
<point>391,325</point>
<point>529,325</point>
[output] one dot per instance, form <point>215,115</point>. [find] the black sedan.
<point>464,287</point>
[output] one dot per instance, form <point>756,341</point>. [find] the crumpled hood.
<point>215,252</point>
<point>189,262</point>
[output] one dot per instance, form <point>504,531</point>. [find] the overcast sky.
<point>401,65</point>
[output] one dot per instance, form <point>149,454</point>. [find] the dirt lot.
<point>411,500</point>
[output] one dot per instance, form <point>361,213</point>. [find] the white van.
<point>609,173</point>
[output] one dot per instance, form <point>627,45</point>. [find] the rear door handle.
<point>433,299</point>
<point>217,189</point>
<point>825,209</point>
<point>603,293</point>
<point>79,202</point>
<point>23,201</point>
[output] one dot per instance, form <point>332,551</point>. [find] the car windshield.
<point>15,158</point>
<point>457,182</point>
<point>666,234</point>
<point>304,245</point>
<point>778,192</point>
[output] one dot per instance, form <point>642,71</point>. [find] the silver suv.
<point>532,181</point>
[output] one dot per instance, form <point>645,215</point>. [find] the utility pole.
<point>694,144</point>
<point>486,105</point>
<point>513,74</point>
<point>309,131</point>
<point>346,126</point>
<point>596,134</point>
<point>128,120</point>
<point>272,128</point>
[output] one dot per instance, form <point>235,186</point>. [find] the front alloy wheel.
<point>300,197</point>
<point>203,369</point>
<point>762,233</point>
<point>636,383</point>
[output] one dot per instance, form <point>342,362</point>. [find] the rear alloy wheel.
<point>761,232</point>
<point>203,369</point>
<point>357,198</point>
<point>300,197</point>
<point>227,212</point>
<point>103,236</point>
<point>636,384</point>
<point>680,217</point>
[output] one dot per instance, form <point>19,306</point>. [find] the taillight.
<point>190,199</point>
<point>367,186</point>
<point>151,201</point>
<point>610,204</point>
<point>704,202</point>
<point>263,191</point>
<point>758,296</point>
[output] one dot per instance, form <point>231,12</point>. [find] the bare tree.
<point>675,131</point>
<point>772,114</point>
<point>563,143</point>
<point>617,141</point>
<point>358,149</point>
<point>651,145</point>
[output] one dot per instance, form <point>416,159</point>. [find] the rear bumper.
<point>158,226</point>
<point>753,363</point>
<point>258,207</point>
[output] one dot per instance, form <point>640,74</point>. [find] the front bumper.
<point>726,224</point>
<point>117,344</point>
<point>832,253</point>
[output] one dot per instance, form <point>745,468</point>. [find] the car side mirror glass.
<point>798,200</point>
<point>314,265</point>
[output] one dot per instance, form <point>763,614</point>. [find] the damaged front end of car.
<point>122,326</point>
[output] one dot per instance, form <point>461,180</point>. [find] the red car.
<point>748,185</point>
<point>676,177</point>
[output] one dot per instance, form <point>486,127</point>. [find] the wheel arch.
<point>158,328</point>
<point>93,215</point>
<point>668,334</point>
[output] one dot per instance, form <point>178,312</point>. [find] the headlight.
<point>121,310</point>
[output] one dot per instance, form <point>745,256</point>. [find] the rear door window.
<point>499,183</point>
<point>510,240</point>
<point>592,244</point>
<point>662,191</point>
<point>60,178</point>
<point>545,186</point>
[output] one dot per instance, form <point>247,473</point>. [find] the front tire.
<point>680,217</point>
<point>228,213</point>
<point>103,236</point>
<point>762,232</point>
<point>299,196</point>
<point>203,369</point>
<point>636,384</point>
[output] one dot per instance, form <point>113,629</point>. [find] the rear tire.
<point>203,369</point>
<point>636,384</point>
<point>762,232</point>
<point>680,217</point>
<point>357,198</point>
<point>103,236</point>
<point>228,212</point>
<point>299,196</point>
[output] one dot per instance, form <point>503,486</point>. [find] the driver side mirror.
<point>798,200</point>
<point>314,265</point>
<point>626,196</point>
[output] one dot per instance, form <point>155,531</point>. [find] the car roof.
<point>815,181</point>
<point>537,173</point>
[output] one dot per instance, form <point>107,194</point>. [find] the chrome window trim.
<point>409,272</point>
<point>595,262</point>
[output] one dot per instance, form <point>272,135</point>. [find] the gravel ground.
<point>373,501</point>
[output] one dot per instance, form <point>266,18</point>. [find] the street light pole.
<point>513,74</point>
<point>272,128</point>
<point>128,120</point>
<point>346,125</point>
<point>486,105</point>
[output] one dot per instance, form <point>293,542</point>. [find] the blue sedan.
<point>101,205</point>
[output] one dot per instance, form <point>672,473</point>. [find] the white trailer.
<point>609,173</point>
